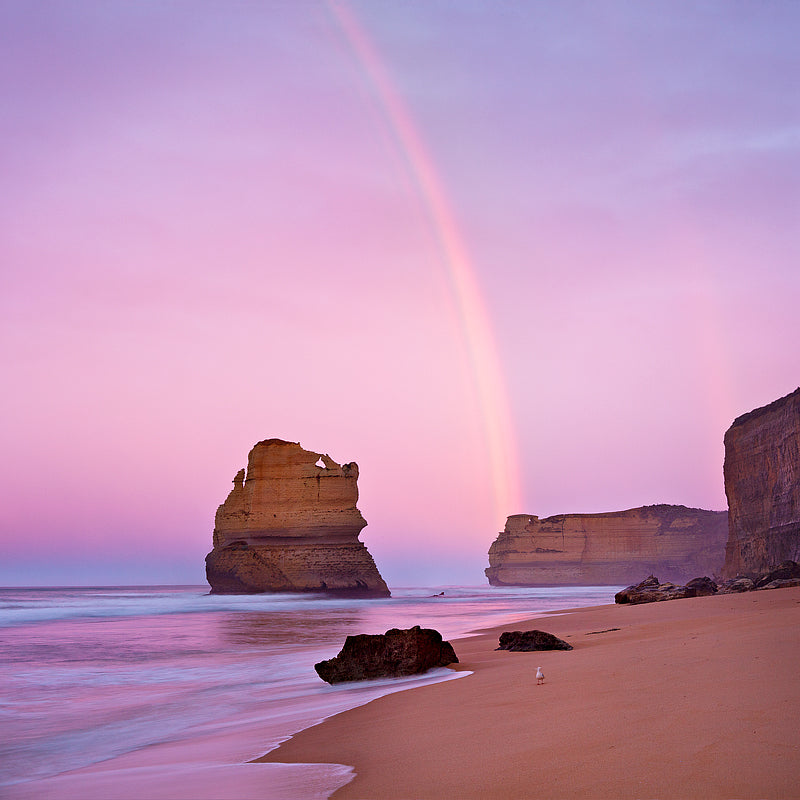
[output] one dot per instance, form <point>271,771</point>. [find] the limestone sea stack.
<point>762,483</point>
<point>612,548</point>
<point>290,524</point>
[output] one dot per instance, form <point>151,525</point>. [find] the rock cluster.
<point>787,574</point>
<point>762,484</point>
<point>651,590</point>
<point>290,524</point>
<point>396,653</point>
<point>611,548</point>
<point>526,641</point>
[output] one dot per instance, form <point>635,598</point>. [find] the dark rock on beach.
<point>789,570</point>
<point>393,654</point>
<point>787,574</point>
<point>784,584</point>
<point>650,590</point>
<point>525,641</point>
<point>701,587</point>
<point>736,585</point>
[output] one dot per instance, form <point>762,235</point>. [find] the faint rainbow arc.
<point>487,374</point>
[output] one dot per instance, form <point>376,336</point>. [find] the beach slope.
<point>695,698</point>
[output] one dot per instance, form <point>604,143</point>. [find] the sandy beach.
<point>690,698</point>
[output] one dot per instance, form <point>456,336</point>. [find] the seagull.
<point>539,676</point>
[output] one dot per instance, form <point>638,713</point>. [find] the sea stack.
<point>614,548</point>
<point>762,483</point>
<point>290,524</point>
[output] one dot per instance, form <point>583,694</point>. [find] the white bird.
<point>539,676</point>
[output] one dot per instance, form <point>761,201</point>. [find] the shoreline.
<point>684,698</point>
<point>254,695</point>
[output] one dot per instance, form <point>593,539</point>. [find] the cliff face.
<point>290,524</point>
<point>762,483</point>
<point>674,542</point>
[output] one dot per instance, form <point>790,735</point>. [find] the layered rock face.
<point>612,548</point>
<point>762,483</point>
<point>290,524</point>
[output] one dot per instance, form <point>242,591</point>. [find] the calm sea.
<point>169,692</point>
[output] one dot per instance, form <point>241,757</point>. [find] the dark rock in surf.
<point>393,654</point>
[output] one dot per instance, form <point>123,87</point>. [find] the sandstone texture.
<point>290,524</point>
<point>612,548</point>
<point>526,641</point>
<point>762,484</point>
<point>393,654</point>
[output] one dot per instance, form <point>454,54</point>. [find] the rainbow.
<point>475,325</point>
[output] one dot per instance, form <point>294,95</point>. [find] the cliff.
<point>290,524</point>
<point>762,484</point>
<point>615,548</point>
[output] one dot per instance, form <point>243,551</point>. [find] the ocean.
<point>167,692</point>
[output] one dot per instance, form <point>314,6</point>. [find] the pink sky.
<point>528,254</point>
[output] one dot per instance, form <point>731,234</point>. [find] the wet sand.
<point>690,698</point>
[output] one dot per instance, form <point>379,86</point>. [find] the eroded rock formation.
<point>393,654</point>
<point>612,548</point>
<point>762,483</point>
<point>290,524</point>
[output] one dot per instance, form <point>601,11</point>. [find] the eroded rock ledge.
<point>611,548</point>
<point>290,524</point>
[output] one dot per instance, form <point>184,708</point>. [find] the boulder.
<point>651,590</point>
<point>736,585</point>
<point>789,570</point>
<point>781,584</point>
<point>393,654</point>
<point>701,587</point>
<point>785,575</point>
<point>525,641</point>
